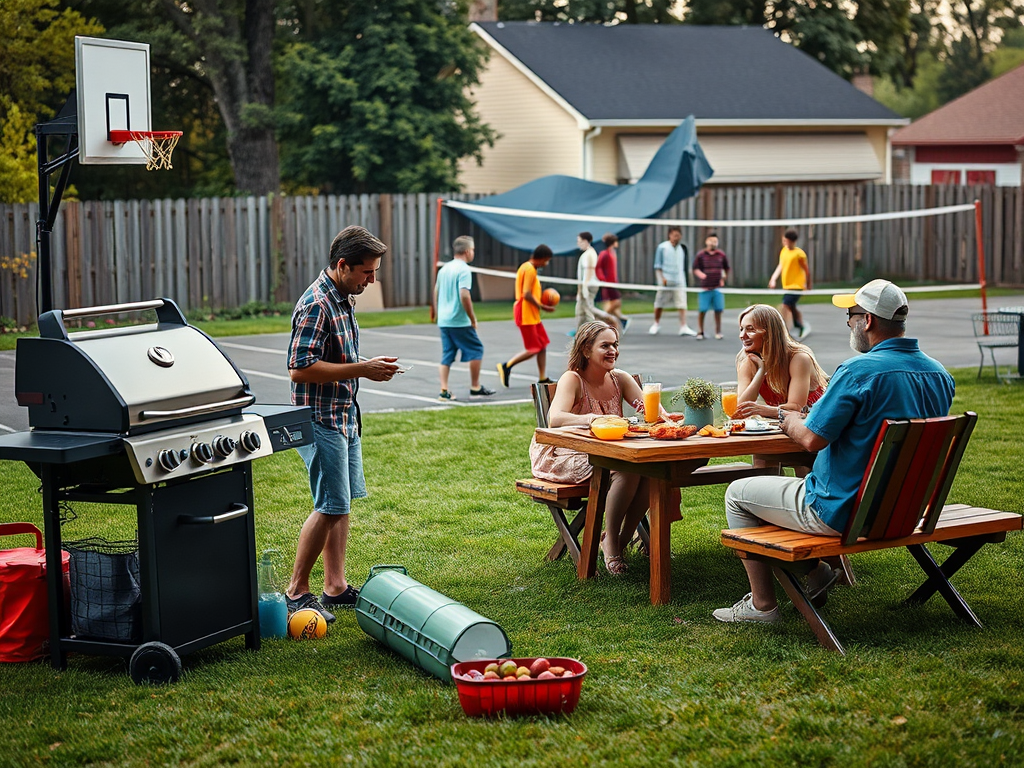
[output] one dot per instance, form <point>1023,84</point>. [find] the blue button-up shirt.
<point>324,328</point>
<point>895,380</point>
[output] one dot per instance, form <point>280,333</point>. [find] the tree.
<point>374,96</point>
<point>37,70</point>
<point>595,11</point>
<point>232,40</point>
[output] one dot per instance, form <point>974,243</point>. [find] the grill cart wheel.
<point>155,663</point>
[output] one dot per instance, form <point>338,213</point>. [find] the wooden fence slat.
<point>222,253</point>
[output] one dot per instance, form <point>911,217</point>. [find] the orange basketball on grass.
<point>305,624</point>
<point>551,297</point>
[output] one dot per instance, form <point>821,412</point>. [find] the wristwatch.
<point>782,415</point>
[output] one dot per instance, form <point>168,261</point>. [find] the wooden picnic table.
<point>670,464</point>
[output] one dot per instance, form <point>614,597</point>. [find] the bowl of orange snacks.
<point>609,427</point>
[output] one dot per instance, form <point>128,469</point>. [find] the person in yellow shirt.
<point>527,316</point>
<point>796,276</point>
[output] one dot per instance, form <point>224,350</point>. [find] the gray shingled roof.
<point>666,72</point>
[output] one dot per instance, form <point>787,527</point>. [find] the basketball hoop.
<point>157,146</point>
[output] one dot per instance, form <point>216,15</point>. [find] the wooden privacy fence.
<point>225,252</point>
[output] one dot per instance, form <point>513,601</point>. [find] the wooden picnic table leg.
<point>796,593</point>
<point>586,568</point>
<point>661,554</point>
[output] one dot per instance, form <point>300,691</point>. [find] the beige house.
<point>597,101</point>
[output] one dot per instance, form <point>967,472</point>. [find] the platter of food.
<point>753,427</point>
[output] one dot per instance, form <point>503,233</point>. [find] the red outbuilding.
<point>975,139</point>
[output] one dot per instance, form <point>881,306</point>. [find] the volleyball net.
<point>726,223</point>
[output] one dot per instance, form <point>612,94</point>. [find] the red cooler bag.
<point>24,615</point>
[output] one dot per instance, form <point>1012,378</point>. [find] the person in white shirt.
<point>670,271</point>
<point>586,290</point>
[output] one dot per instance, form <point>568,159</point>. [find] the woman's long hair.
<point>778,349</point>
<point>585,337</point>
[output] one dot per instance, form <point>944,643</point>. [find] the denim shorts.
<point>711,300</point>
<point>335,465</point>
<point>462,339</point>
<point>790,299</point>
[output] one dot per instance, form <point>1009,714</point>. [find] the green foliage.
<point>374,98</point>
<point>18,178</point>
<point>37,70</point>
<point>697,393</point>
<point>918,100</point>
<point>592,11</point>
<point>824,31</point>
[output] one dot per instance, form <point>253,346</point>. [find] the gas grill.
<point>158,417</point>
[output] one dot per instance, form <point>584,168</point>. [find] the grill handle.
<point>51,324</point>
<point>236,511</point>
<point>198,410</point>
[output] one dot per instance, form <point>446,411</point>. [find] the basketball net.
<point>157,146</point>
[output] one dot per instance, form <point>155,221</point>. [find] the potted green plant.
<point>699,397</point>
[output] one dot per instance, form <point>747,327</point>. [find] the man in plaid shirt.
<point>325,368</point>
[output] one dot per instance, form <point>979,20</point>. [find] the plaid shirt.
<point>324,328</point>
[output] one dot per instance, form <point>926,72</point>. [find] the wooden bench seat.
<point>900,504</point>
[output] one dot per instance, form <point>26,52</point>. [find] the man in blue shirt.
<point>456,319</point>
<point>893,379</point>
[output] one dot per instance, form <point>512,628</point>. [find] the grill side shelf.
<point>58,447</point>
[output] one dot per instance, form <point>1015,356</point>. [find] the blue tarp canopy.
<point>677,172</point>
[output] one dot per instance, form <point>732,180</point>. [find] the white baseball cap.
<point>879,297</point>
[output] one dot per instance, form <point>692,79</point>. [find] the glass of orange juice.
<point>652,401</point>
<point>729,399</point>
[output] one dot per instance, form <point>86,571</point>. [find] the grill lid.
<point>125,380</point>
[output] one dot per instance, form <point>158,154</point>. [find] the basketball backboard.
<point>112,78</point>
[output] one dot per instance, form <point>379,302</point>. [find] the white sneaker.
<point>744,610</point>
<point>654,329</point>
<point>805,331</point>
<point>686,330</point>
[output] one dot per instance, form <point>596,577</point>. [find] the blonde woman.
<point>592,387</point>
<point>771,364</point>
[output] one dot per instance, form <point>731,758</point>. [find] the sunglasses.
<point>850,314</point>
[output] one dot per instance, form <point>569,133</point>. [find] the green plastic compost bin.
<point>427,628</point>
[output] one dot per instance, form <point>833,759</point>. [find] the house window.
<point>947,177</point>
<point>981,177</point>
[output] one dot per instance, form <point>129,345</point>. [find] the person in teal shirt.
<point>892,379</point>
<point>457,321</point>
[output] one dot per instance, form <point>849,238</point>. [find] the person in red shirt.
<point>608,272</point>
<point>711,268</point>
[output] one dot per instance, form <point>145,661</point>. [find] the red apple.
<point>538,666</point>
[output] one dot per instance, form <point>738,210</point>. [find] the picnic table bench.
<point>900,503</point>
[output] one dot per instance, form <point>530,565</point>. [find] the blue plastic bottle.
<point>273,609</point>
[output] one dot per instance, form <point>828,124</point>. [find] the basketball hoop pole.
<point>65,124</point>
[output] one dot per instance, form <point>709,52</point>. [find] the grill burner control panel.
<point>198,448</point>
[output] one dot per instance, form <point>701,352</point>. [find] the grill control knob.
<point>169,460</point>
<point>250,441</point>
<point>202,453</point>
<point>224,446</point>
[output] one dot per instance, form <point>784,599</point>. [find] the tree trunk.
<point>243,83</point>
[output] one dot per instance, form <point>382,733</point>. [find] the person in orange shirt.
<point>796,276</point>
<point>527,316</point>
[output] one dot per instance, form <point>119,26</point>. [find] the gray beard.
<point>859,340</point>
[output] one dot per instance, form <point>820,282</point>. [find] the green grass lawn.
<point>667,685</point>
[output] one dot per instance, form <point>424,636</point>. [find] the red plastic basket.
<point>522,697</point>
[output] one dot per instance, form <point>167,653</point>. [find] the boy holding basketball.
<point>526,312</point>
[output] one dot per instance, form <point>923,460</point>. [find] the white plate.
<point>769,431</point>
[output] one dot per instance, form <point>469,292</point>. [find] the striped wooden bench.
<point>900,503</point>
